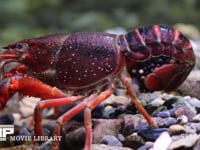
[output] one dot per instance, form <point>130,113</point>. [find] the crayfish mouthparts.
<point>9,53</point>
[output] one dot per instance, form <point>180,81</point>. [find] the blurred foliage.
<point>30,18</point>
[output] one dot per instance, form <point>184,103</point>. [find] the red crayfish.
<point>67,68</point>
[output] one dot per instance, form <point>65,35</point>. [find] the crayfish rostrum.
<point>66,68</point>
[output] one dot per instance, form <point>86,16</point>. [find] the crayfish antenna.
<point>8,56</point>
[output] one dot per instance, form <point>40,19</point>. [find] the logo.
<point>5,130</point>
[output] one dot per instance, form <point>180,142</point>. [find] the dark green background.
<point>21,19</point>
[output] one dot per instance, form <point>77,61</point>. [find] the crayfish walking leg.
<point>49,103</point>
<point>87,105</point>
<point>127,81</point>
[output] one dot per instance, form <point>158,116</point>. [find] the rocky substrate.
<point>117,125</point>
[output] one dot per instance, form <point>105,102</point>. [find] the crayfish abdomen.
<point>158,57</point>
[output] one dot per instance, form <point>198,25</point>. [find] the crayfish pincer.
<point>67,68</point>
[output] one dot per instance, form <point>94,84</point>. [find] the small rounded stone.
<point>183,119</point>
<point>162,142</point>
<point>176,129</point>
<point>110,140</point>
<point>186,141</point>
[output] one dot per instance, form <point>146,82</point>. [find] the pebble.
<point>190,129</point>
<point>19,121</point>
<point>157,102</point>
<point>46,145</point>
<point>147,146</point>
<point>165,122</point>
<point>113,112</point>
<point>120,137</point>
<point>170,101</point>
<point>27,106</point>
<point>149,97</point>
<point>103,127</point>
<point>183,119</point>
<point>73,135</point>
<point>17,117</point>
<point>197,145</point>
<point>120,91</point>
<point>7,118</point>
<point>107,147</point>
<point>110,140</point>
<point>184,141</point>
<point>150,133</point>
<point>191,86</point>
<point>134,141</point>
<point>197,107</point>
<point>162,142</point>
<point>117,100</point>
<point>196,118</point>
<point>131,109</point>
<point>184,111</point>
<point>48,126</point>
<point>142,126</point>
<point>194,126</point>
<point>130,123</point>
<point>13,101</point>
<point>177,111</point>
<point>176,129</point>
<point>98,111</point>
<point>192,100</point>
<point>107,108</point>
<point>163,114</point>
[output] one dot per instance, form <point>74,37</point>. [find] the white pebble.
<point>16,116</point>
<point>27,106</point>
<point>183,119</point>
<point>162,142</point>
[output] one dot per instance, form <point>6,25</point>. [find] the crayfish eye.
<point>22,46</point>
<point>19,45</point>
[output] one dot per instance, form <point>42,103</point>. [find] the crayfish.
<point>67,68</point>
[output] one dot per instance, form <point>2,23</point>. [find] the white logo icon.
<point>5,130</point>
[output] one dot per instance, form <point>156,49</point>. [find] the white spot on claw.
<point>134,71</point>
<point>141,71</point>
